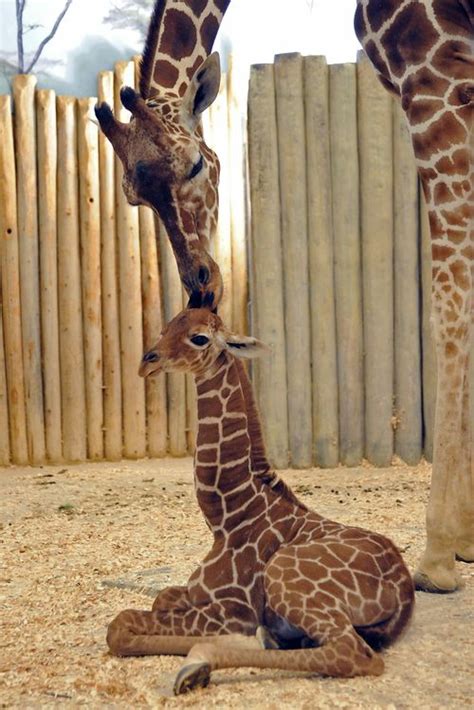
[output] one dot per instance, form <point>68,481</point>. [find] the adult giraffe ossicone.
<point>328,593</point>
<point>167,164</point>
<point>423,51</point>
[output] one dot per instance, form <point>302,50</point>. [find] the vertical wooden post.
<point>157,424</point>
<point>110,297</point>
<point>267,282</point>
<point>25,148</point>
<point>237,139</point>
<point>131,327</point>
<point>73,397</point>
<point>408,409</point>
<point>294,244</point>
<point>223,242</point>
<point>155,389</point>
<point>321,263</point>
<point>89,212</point>
<point>375,155</point>
<point>47,209</point>
<point>345,192</point>
<point>4,419</point>
<point>10,280</point>
<point>430,378</point>
<point>175,381</point>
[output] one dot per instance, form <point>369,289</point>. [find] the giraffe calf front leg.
<point>173,631</point>
<point>138,633</point>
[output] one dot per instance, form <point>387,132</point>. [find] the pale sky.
<point>256,29</point>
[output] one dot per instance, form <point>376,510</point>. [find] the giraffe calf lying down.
<point>282,587</point>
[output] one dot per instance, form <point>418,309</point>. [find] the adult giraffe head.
<point>166,163</point>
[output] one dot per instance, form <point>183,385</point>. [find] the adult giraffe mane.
<point>149,50</point>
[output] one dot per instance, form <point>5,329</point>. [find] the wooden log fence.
<point>362,236</point>
<point>322,241</point>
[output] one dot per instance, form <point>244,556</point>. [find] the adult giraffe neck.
<point>180,37</point>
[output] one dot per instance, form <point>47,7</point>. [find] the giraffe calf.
<point>317,595</point>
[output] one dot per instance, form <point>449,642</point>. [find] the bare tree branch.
<point>28,28</point>
<point>48,37</point>
<point>130,14</point>
<point>20,6</point>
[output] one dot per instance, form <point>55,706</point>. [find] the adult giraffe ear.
<point>246,347</point>
<point>203,88</point>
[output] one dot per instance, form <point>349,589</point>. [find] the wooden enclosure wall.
<point>87,282</point>
<point>337,252</point>
<point>341,275</point>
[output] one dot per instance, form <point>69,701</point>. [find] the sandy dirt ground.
<point>80,543</point>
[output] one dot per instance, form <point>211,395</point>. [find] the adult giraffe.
<point>423,52</point>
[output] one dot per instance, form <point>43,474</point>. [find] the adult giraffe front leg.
<point>423,52</point>
<point>443,148</point>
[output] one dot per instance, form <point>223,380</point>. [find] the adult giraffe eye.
<point>199,340</point>
<point>196,168</point>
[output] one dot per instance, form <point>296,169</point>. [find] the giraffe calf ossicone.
<point>282,587</point>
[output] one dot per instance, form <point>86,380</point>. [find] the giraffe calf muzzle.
<point>150,364</point>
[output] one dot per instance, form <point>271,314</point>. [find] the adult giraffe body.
<point>423,52</point>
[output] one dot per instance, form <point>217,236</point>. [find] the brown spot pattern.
<point>165,74</point>
<point>408,38</point>
<point>198,6</point>
<point>179,35</point>
<point>208,32</point>
<point>190,71</point>
<point>459,270</point>
<point>445,132</point>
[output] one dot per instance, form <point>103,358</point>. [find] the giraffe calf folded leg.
<point>345,656</point>
<point>135,632</point>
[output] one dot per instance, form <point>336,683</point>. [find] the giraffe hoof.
<point>466,553</point>
<point>460,557</point>
<point>191,676</point>
<point>266,639</point>
<point>423,583</point>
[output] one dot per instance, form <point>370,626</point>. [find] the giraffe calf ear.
<point>246,347</point>
<point>203,88</point>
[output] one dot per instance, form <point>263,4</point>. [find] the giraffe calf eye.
<point>199,340</point>
<point>196,168</point>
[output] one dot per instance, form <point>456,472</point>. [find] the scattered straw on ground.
<point>80,543</point>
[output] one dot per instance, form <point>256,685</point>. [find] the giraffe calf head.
<point>193,341</point>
